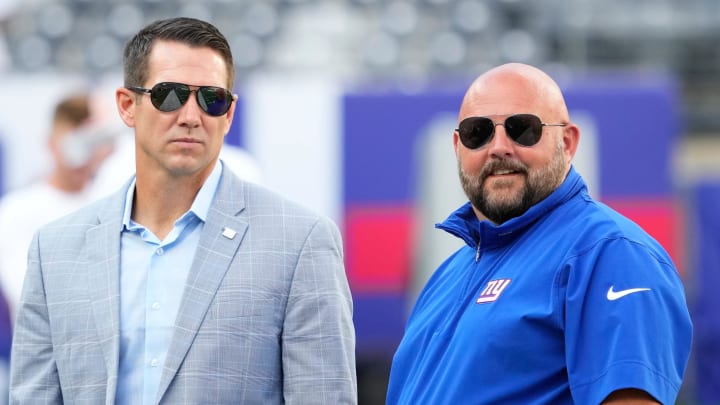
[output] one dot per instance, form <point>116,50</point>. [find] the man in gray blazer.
<point>187,286</point>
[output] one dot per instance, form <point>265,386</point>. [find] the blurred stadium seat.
<point>360,40</point>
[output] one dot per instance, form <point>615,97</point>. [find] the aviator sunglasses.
<point>169,96</point>
<point>523,129</point>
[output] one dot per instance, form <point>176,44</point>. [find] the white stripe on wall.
<point>292,125</point>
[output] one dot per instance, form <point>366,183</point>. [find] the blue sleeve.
<point>627,323</point>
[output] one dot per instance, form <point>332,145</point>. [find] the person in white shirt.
<point>78,148</point>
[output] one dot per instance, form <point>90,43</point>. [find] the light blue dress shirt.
<point>152,280</point>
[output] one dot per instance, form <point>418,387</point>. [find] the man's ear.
<point>126,101</point>
<point>571,139</point>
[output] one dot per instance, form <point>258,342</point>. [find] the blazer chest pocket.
<point>228,308</point>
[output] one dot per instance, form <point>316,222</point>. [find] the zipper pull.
<point>477,253</point>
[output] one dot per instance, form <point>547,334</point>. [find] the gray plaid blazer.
<point>265,317</point>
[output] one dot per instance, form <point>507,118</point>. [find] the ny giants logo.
<point>493,290</point>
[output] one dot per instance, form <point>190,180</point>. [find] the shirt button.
<point>159,251</point>
<point>155,306</point>
<point>154,362</point>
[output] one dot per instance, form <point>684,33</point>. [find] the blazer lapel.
<point>103,255</point>
<point>221,236</point>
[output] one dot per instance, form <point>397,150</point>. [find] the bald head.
<point>515,88</point>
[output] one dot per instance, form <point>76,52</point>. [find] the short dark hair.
<point>190,31</point>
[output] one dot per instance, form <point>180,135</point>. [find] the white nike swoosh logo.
<point>614,295</point>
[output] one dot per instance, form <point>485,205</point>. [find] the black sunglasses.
<point>523,129</point>
<point>169,96</point>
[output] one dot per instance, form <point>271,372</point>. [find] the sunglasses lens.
<point>169,96</point>
<point>525,129</point>
<point>475,132</point>
<point>215,101</point>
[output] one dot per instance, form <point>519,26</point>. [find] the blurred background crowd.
<point>348,106</point>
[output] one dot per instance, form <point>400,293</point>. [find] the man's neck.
<point>158,204</point>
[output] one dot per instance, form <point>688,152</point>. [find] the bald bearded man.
<point>555,298</point>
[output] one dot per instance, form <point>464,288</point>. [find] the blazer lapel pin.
<point>229,233</point>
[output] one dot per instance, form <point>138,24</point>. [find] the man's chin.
<point>503,193</point>
<point>501,206</point>
<point>500,213</point>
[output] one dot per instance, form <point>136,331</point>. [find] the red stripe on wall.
<point>663,220</point>
<point>377,248</point>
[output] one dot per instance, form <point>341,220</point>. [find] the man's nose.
<point>190,112</point>
<point>500,144</point>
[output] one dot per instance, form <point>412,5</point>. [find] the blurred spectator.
<point>78,147</point>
